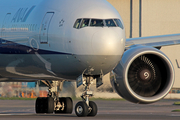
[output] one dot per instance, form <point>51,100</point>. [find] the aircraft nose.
<point>108,42</point>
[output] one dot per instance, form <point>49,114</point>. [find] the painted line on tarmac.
<point>173,115</point>
<point>15,114</point>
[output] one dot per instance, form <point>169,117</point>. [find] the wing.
<point>154,41</point>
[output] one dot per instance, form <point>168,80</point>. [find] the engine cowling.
<point>144,75</point>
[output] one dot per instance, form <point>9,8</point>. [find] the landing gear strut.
<point>86,107</point>
<point>64,105</point>
<point>53,103</point>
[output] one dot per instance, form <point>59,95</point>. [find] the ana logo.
<point>22,14</point>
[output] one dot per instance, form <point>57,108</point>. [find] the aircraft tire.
<point>39,105</point>
<point>94,109</point>
<point>37,108</point>
<point>44,105</point>
<point>50,105</point>
<point>81,109</point>
<point>68,105</point>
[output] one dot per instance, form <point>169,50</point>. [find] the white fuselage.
<point>38,40</point>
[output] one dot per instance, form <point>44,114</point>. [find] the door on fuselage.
<point>44,27</point>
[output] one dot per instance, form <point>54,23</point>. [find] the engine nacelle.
<point>144,75</point>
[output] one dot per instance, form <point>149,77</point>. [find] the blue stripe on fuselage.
<point>9,47</point>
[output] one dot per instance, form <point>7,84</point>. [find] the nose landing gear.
<point>86,107</point>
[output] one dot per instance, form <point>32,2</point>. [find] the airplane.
<point>80,40</point>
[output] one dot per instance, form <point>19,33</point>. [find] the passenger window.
<point>97,23</point>
<point>77,23</point>
<point>110,23</point>
<point>119,23</point>
<point>85,23</point>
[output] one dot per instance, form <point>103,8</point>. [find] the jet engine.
<point>144,75</point>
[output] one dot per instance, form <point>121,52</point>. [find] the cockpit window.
<point>85,23</point>
<point>77,23</point>
<point>119,23</point>
<point>110,23</point>
<point>97,23</point>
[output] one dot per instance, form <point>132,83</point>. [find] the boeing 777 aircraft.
<point>80,40</point>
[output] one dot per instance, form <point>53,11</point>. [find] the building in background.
<point>149,17</point>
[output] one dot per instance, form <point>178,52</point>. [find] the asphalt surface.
<point>121,110</point>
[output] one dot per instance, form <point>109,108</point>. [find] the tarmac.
<point>107,109</point>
